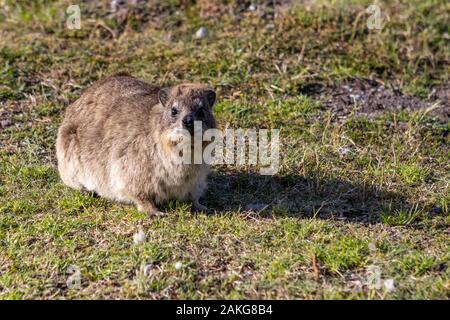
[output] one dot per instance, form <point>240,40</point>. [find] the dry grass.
<point>355,191</point>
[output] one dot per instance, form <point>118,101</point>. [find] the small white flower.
<point>355,97</point>
<point>344,151</point>
<point>201,33</point>
<point>139,237</point>
<point>178,265</point>
<point>389,285</point>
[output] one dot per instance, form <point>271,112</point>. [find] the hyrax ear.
<point>164,95</point>
<point>210,97</point>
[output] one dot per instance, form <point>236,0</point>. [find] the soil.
<point>370,98</point>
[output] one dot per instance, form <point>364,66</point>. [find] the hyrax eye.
<point>174,111</point>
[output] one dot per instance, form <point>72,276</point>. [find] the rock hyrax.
<point>116,141</point>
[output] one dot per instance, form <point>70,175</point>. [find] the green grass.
<point>332,216</point>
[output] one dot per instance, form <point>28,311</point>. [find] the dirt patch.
<point>371,98</point>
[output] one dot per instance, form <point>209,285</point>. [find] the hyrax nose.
<point>188,121</point>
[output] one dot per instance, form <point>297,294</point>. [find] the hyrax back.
<point>115,140</point>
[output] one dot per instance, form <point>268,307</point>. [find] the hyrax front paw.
<point>156,213</point>
<point>196,207</point>
<point>150,209</point>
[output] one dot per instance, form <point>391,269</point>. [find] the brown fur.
<point>115,141</point>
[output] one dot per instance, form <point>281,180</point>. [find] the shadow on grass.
<point>300,196</point>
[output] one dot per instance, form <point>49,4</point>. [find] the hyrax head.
<point>187,105</point>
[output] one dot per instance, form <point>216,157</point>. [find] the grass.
<point>352,194</point>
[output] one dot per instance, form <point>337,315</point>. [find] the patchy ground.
<point>359,208</point>
<point>370,98</point>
